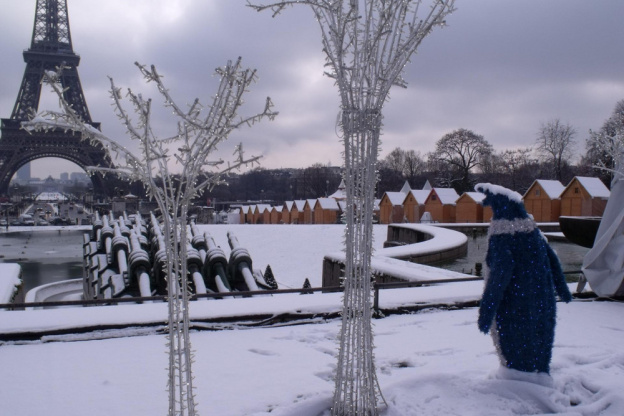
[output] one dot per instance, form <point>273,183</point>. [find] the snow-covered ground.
<point>432,363</point>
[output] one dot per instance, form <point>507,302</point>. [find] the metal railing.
<point>377,287</point>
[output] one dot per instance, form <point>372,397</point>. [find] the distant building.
<point>326,211</point>
<point>469,208</point>
<point>79,177</point>
<point>543,200</point>
<point>23,173</point>
<point>391,208</point>
<point>584,197</point>
<point>440,204</point>
<point>276,215</point>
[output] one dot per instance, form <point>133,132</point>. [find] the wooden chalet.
<point>440,204</point>
<point>391,208</point>
<point>326,211</point>
<point>249,215</point>
<point>543,200</point>
<point>286,211</point>
<point>469,208</point>
<point>297,213</point>
<point>414,204</point>
<point>276,215</point>
<point>262,214</point>
<point>243,214</point>
<point>585,197</point>
<point>308,211</point>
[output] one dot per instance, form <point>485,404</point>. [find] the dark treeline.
<point>461,159</point>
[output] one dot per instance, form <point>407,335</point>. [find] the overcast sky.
<point>500,69</point>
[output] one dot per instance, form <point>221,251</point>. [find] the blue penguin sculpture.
<point>522,276</point>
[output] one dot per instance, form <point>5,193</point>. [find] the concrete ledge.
<point>406,244</point>
<point>55,291</point>
<point>11,285</point>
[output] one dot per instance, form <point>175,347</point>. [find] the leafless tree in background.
<point>460,152</point>
<point>555,144</point>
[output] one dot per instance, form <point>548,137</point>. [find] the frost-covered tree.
<point>367,44</point>
<point>173,169</point>
<point>555,144</point>
<point>604,145</point>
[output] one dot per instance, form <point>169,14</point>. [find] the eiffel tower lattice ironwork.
<point>51,47</point>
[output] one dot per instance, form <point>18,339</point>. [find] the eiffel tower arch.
<point>51,47</point>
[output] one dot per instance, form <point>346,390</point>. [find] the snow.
<point>51,196</point>
<point>594,187</point>
<point>553,188</point>
<point>327,204</point>
<point>395,198</point>
<point>406,188</point>
<point>432,363</point>
<point>260,208</point>
<point>300,204</point>
<point>420,195</point>
<point>477,197</point>
<point>447,196</point>
<point>498,190</point>
<point>340,194</point>
<point>10,280</point>
<point>442,239</point>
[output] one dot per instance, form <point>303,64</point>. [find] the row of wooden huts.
<point>308,211</point>
<point>546,200</point>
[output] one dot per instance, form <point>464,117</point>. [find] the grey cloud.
<point>500,68</point>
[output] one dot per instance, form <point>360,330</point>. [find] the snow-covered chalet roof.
<point>263,207</point>
<point>594,187</point>
<point>553,188</point>
<point>395,198</point>
<point>478,197</point>
<point>327,203</point>
<point>406,188</point>
<point>420,195</point>
<point>447,196</point>
<point>289,205</point>
<point>299,204</point>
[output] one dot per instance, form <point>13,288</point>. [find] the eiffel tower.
<point>51,47</point>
